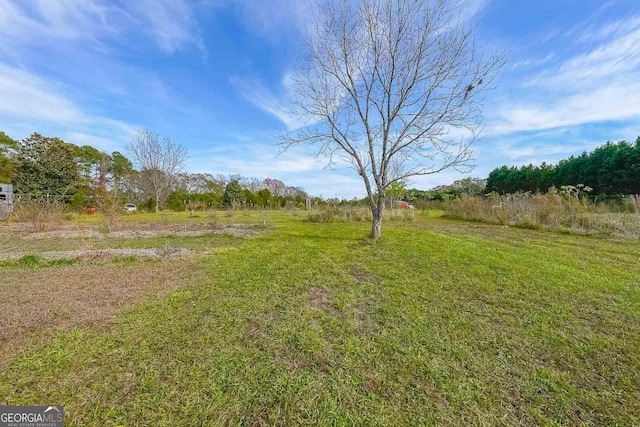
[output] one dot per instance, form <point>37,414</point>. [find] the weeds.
<point>112,207</point>
<point>335,214</point>
<point>39,214</point>
<point>565,211</point>
<point>440,323</point>
<point>33,261</point>
<point>345,214</point>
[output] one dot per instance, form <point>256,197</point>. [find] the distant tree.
<point>7,164</point>
<point>385,85</point>
<point>88,158</point>
<point>397,191</point>
<point>194,183</point>
<point>265,196</point>
<point>275,186</point>
<point>217,185</point>
<point>236,177</point>
<point>159,160</point>
<point>121,170</point>
<point>233,193</point>
<point>45,166</point>
<point>94,166</point>
<point>250,198</point>
<point>6,142</point>
<point>613,168</point>
<point>253,184</point>
<point>469,186</point>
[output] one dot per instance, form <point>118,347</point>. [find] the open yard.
<point>231,322</point>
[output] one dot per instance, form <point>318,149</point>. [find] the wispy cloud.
<point>601,83</point>
<point>28,101</point>
<point>252,159</point>
<point>27,95</point>
<point>276,19</point>
<point>533,62</point>
<point>260,161</point>
<point>471,8</point>
<point>171,24</point>
<point>280,106</point>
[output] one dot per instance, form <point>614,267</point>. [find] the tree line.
<point>611,169</point>
<point>150,175</point>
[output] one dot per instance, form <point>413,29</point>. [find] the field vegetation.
<point>442,322</point>
<point>561,212</point>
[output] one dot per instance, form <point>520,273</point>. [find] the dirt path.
<point>104,253</point>
<point>129,231</point>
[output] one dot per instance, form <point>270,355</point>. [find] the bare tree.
<point>194,183</point>
<point>158,160</point>
<point>276,186</point>
<point>253,184</point>
<point>393,88</point>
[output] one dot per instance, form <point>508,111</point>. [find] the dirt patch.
<point>320,300</point>
<point>36,304</point>
<point>143,230</point>
<point>363,322</point>
<point>360,274</point>
<point>95,254</point>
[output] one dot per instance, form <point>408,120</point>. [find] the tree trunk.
<point>376,223</point>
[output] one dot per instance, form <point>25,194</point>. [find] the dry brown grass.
<point>39,214</point>
<point>111,207</point>
<point>553,211</point>
<point>320,300</point>
<point>37,303</point>
<point>358,214</point>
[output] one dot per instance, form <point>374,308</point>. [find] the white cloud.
<point>292,167</point>
<point>616,102</point>
<point>280,106</point>
<point>28,96</point>
<point>280,16</point>
<point>256,160</point>
<point>276,19</point>
<point>528,152</point>
<point>30,103</point>
<point>533,62</point>
<point>471,8</point>
<point>597,85</point>
<point>171,24</point>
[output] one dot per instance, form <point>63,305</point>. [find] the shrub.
<point>38,213</point>
<point>331,214</point>
<point>340,214</point>
<point>401,215</point>
<point>564,211</point>
<point>360,214</point>
<point>213,216</point>
<point>112,206</point>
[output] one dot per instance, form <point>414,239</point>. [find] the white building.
<point>6,200</point>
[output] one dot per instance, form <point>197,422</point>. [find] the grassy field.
<point>443,322</point>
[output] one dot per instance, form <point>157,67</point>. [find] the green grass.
<point>33,261</point>
<point>441,323</point>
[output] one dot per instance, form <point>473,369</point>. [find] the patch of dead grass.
<point>361,275</point>
<point>37,303</point>
<point>320,300</point>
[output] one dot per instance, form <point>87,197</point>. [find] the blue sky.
<point>213,75</point>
